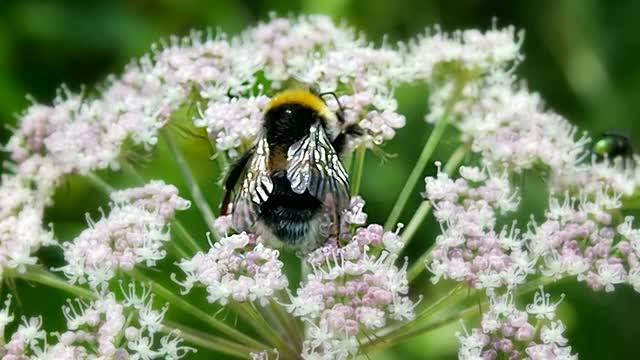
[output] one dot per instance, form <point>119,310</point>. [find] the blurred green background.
<point>581,55</point>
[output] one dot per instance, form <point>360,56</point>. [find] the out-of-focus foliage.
<point>581,55</point>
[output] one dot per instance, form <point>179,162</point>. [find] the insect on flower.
<point>612,145</point>
<point>292,185</point>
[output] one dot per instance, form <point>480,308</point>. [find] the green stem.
<point>425,208</point>
<point>416,173</point>
<point>194,188</point>
<point>254,317</point>
<point>181,303</point>
<point>178,251</point>
<point>208,341</point>
<point>44,277</point>
<point>446,320</point>
<point>358,169</point>
<point>291,324</point>
<point>182,232</point>
<point>129,169</point>
<point>446,299</point>
<point>102,185</point>
<point>223,162</point>
<point>453,296</point>
<point>430,146</point>
<point>407,332</point>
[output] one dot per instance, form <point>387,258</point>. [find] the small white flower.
<point>553,334</point>
<point>542,307</point>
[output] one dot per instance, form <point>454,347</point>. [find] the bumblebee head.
<point>291,113</point>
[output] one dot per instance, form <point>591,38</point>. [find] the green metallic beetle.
<point>612,145</point>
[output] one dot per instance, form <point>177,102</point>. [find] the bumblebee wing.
<point>313,164</point>
<point>255,188</point>
<point>236,172</point>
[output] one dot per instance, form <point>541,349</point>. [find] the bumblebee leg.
<point>335,228</point>
<point>232,179</point>
<point>331,209</point>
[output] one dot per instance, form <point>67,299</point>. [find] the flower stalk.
<point>423,211</point>
<point>427,151</point>
<point>358,167</point>
<point>179,302</point>
<point>194,188</point>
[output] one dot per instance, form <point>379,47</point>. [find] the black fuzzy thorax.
<point>287,214</point>
<point>286,124</point>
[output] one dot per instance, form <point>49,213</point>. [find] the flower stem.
<point>181,303</point>
<point>99,183</point>
<point>452,296</point>
<point>254,317</point>
<point>41,276</point>
<point>430,146</point>
<point>196,193</point>
<point>208,341</point>
<point>425,208</point>
<point>184,234</point>
<point>177,250</point>
<point>416,173</point>
<point>131,170</point>
<point>390,341</point>
<point>291,324</point>
<point>358,166</point>
<point>407,332</point>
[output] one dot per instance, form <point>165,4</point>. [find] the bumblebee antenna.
<point>334,96</point>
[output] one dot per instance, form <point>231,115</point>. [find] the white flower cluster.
<point>353,290</point>
<point>233,123</point>
<point>470,249</point>
<point>133,233</point>
<point>618,175</point>
<point>156,196</point>
<point>580,236</point>
<point>100,329</point>
<point>508,332</point>
<point>470,74</point>
<point>583,237</point>
<point>79,135</point>
<point>21,226</point>
<point>469,50</point>
<point>236,268</point>
<point>509,126</point>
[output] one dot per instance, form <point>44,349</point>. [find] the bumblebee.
<point>291,185</point>
<point>612,145</point>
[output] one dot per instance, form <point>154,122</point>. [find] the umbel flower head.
<point>100,329</point>
<point>238,268</point>
<point>507,331</point>
<point>361,289</point>
<point>133,233</point>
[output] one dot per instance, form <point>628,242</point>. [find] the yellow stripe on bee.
<point>304,98</point>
